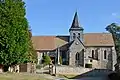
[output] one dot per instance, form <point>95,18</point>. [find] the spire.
<point>75,23</point>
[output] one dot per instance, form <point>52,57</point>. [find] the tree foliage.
<point>46,60</point>
<point>15,41</point>
<point>115,30</point>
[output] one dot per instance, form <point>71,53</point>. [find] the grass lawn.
<point>67,76</point>
<point>24,76</point>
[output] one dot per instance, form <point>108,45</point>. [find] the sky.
<point>54,17</point>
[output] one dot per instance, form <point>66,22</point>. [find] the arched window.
<point>105,54</point>
<point>74,35</point>
<point>77,56</point>
<point>93,54</point>
<point>78,35</point>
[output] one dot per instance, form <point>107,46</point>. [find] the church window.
<point>93,54</point>
<point>77,56</point>
<point>74,35</point>
<point>105,54</point>
<point>96,54</point>
<point>78,35</point>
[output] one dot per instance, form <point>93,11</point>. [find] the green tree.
<point>114,29</point>
<point>32,53</point>
<point>46,60</point>
<point>15,41</point>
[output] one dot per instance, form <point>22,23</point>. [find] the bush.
<point>60,59</point>
<point>46,60</point>
<point>39,66</point>
<point>88,65</point>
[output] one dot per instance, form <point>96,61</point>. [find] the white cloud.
<point>114,14</point>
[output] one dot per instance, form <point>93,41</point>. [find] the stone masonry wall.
<point>70,70</point>
<point>77,46</point>
<point>102,63</point>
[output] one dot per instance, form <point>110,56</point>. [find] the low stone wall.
<point>70,70</point>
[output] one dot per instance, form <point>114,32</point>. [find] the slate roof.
<point>89,39</point>
<point>66,46</point>
<point>75,23</point>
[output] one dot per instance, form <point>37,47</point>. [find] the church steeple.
<point>76,30</point>
<point>75,23</point>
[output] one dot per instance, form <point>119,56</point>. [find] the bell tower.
<point>76,31</point>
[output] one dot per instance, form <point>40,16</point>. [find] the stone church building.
<point>94,50</point>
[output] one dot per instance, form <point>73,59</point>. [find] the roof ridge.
<point>98,33</point>
<point>44,36</point>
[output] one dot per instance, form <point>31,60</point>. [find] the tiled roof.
<point>43,42</point>
<point>89,39</point>
<point>98,39</point>
<point>49,42</point>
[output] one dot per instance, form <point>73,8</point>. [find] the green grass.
<point>67,76</point>
<point>22,76</point>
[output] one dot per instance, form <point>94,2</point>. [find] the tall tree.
<point>115,30</point>
<point>15,41</point>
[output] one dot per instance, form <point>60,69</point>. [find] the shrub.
<point>60,59</point>
<point>46,60</point>
<point>88,65</point>
<point>39,66</point>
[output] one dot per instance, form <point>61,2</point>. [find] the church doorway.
<point>79,58</point>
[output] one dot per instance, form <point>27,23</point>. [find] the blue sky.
<point>54,17</point>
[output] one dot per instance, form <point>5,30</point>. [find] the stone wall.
<point>75,48</point>
<point>102,63</point>
<point>70,70</point>
<point>76,34</point>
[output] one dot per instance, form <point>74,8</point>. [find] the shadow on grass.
<point>114,76</point>
<point>93,74</point>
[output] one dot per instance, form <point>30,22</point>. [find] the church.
<point>88,50</point>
